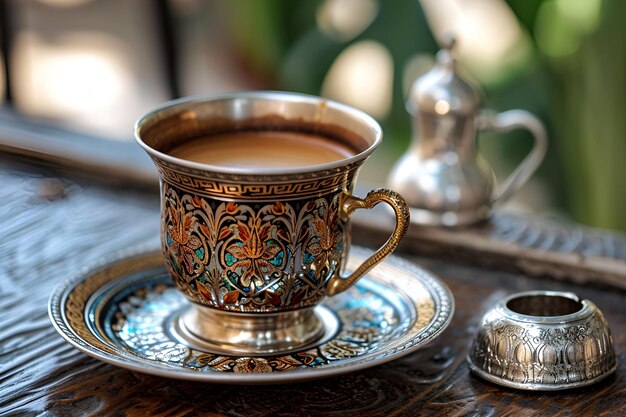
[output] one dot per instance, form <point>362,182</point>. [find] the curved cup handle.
<point>348,205</point>
<point>516,119</point>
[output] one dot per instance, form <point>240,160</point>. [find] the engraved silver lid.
<point>543,341</point>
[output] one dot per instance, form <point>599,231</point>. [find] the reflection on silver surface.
<point>441,176</point>
<point>254,334</point>
<point>543,340</point>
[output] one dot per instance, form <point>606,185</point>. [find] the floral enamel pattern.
<point>251,257</point>
<point>369,322</point>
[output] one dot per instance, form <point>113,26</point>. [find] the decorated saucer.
<point>123,312</point>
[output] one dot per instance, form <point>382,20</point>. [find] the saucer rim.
<point>444,307</point>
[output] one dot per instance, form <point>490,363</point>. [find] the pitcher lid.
<point>442,90</point>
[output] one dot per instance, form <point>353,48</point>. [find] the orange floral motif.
<point>278,208</point>
<point>196,201</point>
<point>184,243</point>
<point>232,208</point>
<point>323,247</point>
<point>204,292</point>
<point>253,253</point>
<point>231,297</point>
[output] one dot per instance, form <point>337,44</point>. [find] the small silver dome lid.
<point>441,90</point>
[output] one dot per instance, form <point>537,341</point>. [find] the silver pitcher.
<point>441,176</point>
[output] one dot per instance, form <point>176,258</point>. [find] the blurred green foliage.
<point>575,80</point>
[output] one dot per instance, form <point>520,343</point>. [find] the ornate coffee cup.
<point>256,250</point>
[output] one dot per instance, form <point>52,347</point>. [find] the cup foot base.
<point>232,333</point>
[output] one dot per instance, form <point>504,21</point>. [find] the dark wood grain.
<point>44,144</point>
<point>50,227</point>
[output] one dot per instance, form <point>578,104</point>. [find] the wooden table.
<point>50,227</point>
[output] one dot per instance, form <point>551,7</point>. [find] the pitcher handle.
<point>507,121</point>
<point>347,206</point>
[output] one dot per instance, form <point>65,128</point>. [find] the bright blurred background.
<point>96,65</point>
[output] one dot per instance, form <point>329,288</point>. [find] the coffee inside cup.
<point>263,149</point>
<point>267,142</point>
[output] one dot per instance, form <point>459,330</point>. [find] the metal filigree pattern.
<point>543,355</point>
<point>261,257</point>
